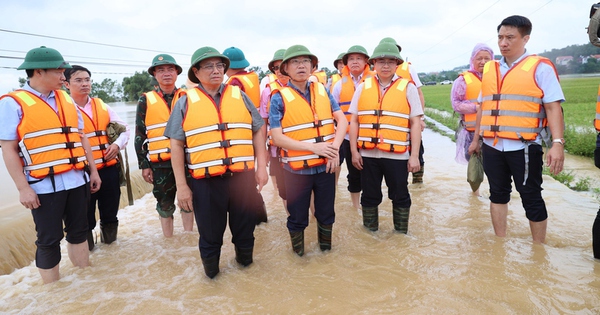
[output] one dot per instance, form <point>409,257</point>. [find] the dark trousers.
<point>108,198</point>
<point>353,177</point>
<point>66,206</point>
<point>395,173</point>
<point>500,166</point>
<point>299,189</point>
<point>596,236</point>
<point>216,197</point>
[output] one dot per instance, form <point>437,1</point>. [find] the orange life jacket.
<point>251,85</point>
<point>157,115</point>
<point>274,86</point>
<point>307,123</point>
<point>49,141</point>
<point>321,76</point>
<point>348,88</point>
<point>384,121</point>
<point>512,106</point>
<point>217,138</point>
<point>403,71</point>
<point>95,130</point>
<point>334,79</point>
<point>473,89</point>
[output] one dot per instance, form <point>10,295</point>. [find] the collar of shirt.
<point>87,108</point>
<point>50,99</point>
<point>383,88</point>
<point>504,65</point>
<point>357,79</point>
<point>306,94</point>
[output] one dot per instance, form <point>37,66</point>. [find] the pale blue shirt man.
<point>10,117</point>
<point>546,79</point>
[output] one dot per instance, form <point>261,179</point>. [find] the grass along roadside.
<point>579,112</point>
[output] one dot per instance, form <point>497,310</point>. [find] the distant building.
<point>563,60</point>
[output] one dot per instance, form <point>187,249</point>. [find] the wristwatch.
<point>559,140</point>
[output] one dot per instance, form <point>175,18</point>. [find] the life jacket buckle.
<point>227,161</point>
<point>318,123</point>
<point>495,112</point>
<point>496,97</point>
<point>73,160</point>
<point>66,129</point>
<point>225,144</point>
<point>222,127</point>
<point>70,145</point>
<point>319,139</point>
<point>98,133</point>
<point>376,125</point>
<point>494,128</point>
<point>377,112</point>
<point>375,140</point>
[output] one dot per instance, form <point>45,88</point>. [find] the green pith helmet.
<point>236,58</point>
<point>277,56</point>
<point>391,40</point>
<point>44,58</point>
<point>356,49</point>
<point>205,53</point>
<point>386,50</point>
<point>295,51</point>
<point>339,58</point>
<point>163,59</point>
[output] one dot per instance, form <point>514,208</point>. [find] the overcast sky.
<point>434,34</point>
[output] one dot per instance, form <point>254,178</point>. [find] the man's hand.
<point>555,158</point>
<point>111,152</point>
<point>28,198</point>
<point>147,175</point>
<point>185,198</point>
<point>261,177</point>
<point>95,182</point>
<point>357,160</point>
<point>325,149</point>
<point>413,164</point>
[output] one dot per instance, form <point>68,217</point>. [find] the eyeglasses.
<point>275,68</point>
<point>220,67</point>
<point>297,62</point>
<point>165,70</point>
<point>386,62</point>
<point>80,80</point>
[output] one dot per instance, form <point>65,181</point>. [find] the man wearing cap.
<point>385,126</point>
<point>248,83</point>
<point>355,71</point>
<point>276,81</point>
<point>97,115</point>
<point>520,100</point>
<point>407,70</point>
<point>302,116</point>
<point>153,149</point>
<point>46,154</point>
<point>217,133</point>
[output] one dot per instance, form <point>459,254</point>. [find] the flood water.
<point>449,263</point>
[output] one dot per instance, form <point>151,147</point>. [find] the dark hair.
<point>522,24</point>
<point>29,72</point>
<point>75,68</point>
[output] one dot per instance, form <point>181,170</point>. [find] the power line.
<point>91,43</point>
<point>96,58</point>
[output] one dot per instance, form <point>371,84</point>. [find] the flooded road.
<point>449,263</point>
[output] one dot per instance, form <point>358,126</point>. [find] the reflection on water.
<point>449,263</point>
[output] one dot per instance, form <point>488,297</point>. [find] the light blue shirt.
<point>546,79</point>
<point>10,117</point>
<point>276,114</point>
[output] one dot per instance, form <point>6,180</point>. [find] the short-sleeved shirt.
<point>412,96</point>
<point>174,128</point>
<point>276,115</point>
<point>546,79</point>
<point>10,117</point>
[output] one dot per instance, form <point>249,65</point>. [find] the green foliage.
<point>22,82</point>
<point>582,185</point>
<point>441,76</point>
<point>135,85</point>
<point>108,90</point>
